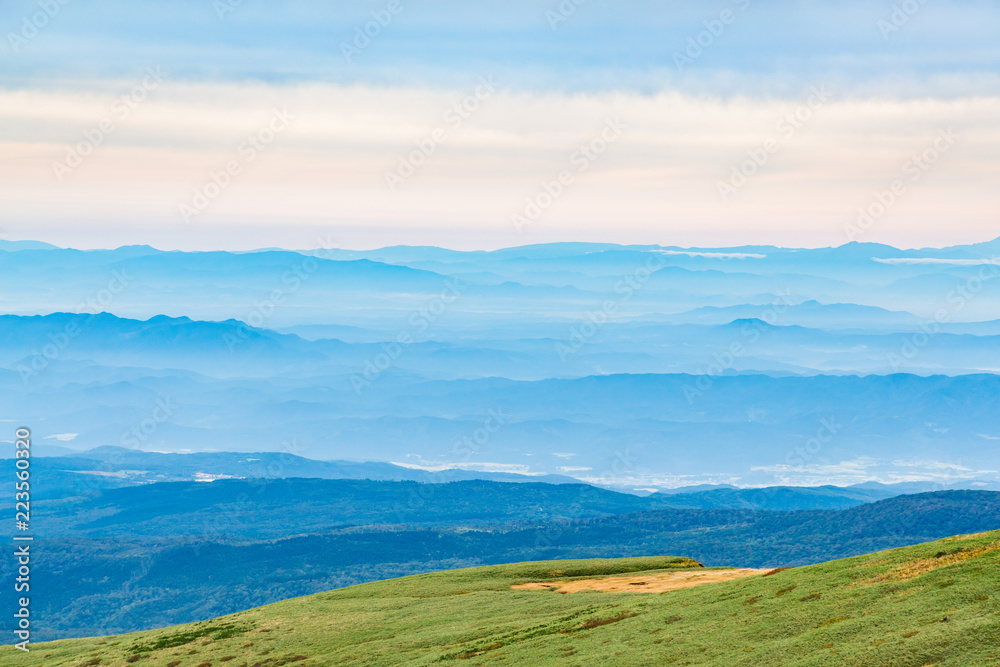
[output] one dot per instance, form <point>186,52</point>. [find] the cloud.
<point>658,183</point>
<point>855,466</point>
<point>946,48</point>
<point>934,260</point>
<point>866,469</point>
<point>714,255</point>
<point>931,465</point>
<point>476,467</point>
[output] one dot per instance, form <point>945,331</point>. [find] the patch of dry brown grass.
<point>653,583</point>
<point>970,536</point>
<point>914,568</point>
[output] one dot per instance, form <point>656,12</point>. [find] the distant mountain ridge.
<point>693,364</point>
<point>108,467</point>
<point>232,347</point>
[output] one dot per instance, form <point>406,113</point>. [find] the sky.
<point>239,124</point>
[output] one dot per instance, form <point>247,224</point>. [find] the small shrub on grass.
<point>228,631</point>
<point>208,632</point>
<point>597,622</point>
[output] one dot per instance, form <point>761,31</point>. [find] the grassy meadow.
<point>930,604</point>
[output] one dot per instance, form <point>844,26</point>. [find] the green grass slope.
<point>931,604</point>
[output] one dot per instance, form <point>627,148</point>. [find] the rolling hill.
<point>930,604</point>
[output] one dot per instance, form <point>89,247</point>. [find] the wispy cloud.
<point>933,260</point>
<point>714,255</point>
<point>474,467</point>
<point>328,168</point>
<point>867,469</point>
<point>946,49</point>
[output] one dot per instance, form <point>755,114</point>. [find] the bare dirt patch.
<point>648,583</point>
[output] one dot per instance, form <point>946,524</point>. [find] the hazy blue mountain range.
<point>94,473</point>
<point>98,470</point>
<point>545,282</point>
<point>623,429</point>
<point>366,414</point>
<point>258,508</point>
<point>232,348</point>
